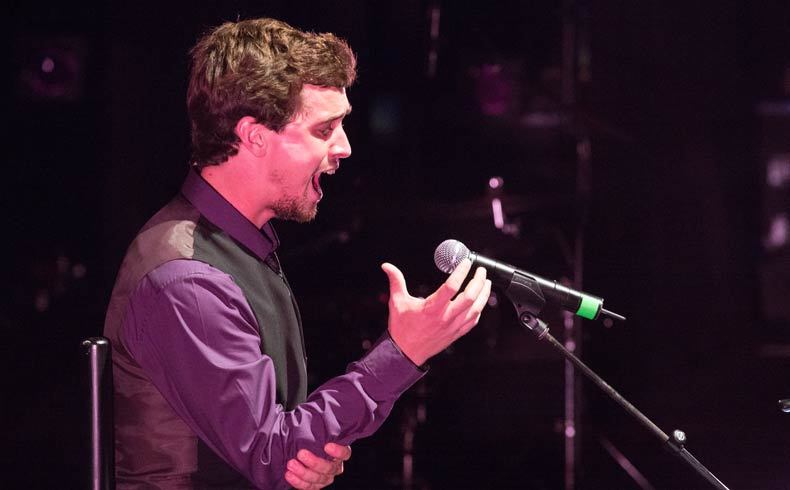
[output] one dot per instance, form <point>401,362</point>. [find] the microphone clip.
<point>525,294</point>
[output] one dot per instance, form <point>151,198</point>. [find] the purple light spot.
<point>48,65</point>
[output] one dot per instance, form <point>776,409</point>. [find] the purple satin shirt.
<point>189,331</point>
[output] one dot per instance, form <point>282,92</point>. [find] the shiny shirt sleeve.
<point>191,329</point>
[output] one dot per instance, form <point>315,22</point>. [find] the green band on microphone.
<point>589,307</point>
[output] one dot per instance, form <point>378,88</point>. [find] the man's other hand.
<point>423,327</point>
<point>309,472</point>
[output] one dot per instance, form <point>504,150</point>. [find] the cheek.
<point>304,153</point>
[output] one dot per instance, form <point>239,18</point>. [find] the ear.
<point>252,135</point>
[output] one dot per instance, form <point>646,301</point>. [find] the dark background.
<point>683,106</point>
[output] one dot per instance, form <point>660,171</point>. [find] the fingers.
<point>306,477</point>
<point>476,284</point>
<point>316,464</point>
<point>465,300</point>
<point>342,453</point>
<point>396,279</point>
<point>308,471</point>
<point>298,483</point>
<point>452,285</point>
<point>473,315</point>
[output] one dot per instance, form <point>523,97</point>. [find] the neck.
<point>233,182</point>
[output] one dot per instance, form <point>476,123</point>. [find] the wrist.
<point>418,361</point>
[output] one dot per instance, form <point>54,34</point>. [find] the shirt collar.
<point>212,206</point>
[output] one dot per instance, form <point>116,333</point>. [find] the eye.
<point>325,132</point>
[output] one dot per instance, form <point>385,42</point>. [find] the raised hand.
<point>423,327</point>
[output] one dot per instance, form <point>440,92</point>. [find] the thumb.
<point>338,452</point>
<point>397,281</point>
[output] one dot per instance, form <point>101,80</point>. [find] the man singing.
<point>208,355</point>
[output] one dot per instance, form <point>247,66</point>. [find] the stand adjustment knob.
<point>677,440</point>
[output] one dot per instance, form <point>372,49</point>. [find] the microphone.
<point>450,253</point>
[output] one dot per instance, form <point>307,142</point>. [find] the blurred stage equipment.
<point>528,294</point>
<point>626,464</point>
<point>575,56</point>
<point>102,475</point>
<point>434,19</point>
<point>774,154</point>
<point>507,88</point>
<point>524,108</point>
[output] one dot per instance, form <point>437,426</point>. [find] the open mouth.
<point>317,185</point>
<point>317,180</point>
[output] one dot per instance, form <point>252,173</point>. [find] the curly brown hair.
<point>256,68</point>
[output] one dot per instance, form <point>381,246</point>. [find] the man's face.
<point>312,144</point>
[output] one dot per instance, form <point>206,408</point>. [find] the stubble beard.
<point>299,210</point>
<point>290,207</point>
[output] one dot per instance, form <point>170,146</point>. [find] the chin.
<point>305,218</point>
<point>299,215</point>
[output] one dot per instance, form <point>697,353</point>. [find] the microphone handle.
<point>581,304</point>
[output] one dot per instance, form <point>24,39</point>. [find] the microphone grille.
<point>449,254</point>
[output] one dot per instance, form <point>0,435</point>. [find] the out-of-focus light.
<point>495,89</point>
<point>51,67</point>
<point>542,120</point>
<point>79,271</point>
<point>62,263</point>
<point>436,14</point>
<point>499,216</point>
<point>495,182</point>
<point>48,65</point>
<point>778,232</point>
<point>773,108</point>
<point>777,173</point>
<point>41,300</point>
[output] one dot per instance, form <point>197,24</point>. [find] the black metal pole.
<point>97,349</point>
<point>675,442</point>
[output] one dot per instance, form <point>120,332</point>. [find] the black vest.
<point>179,231</point>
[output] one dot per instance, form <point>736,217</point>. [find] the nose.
<point>341,147</point>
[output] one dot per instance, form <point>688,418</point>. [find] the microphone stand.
<point>525,295</point>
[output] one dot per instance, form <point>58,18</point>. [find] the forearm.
<point>198,342</point>
<point>342,410</point>
<point>248,429</point>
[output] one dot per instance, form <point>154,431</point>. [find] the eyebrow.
<point>338,116</point>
